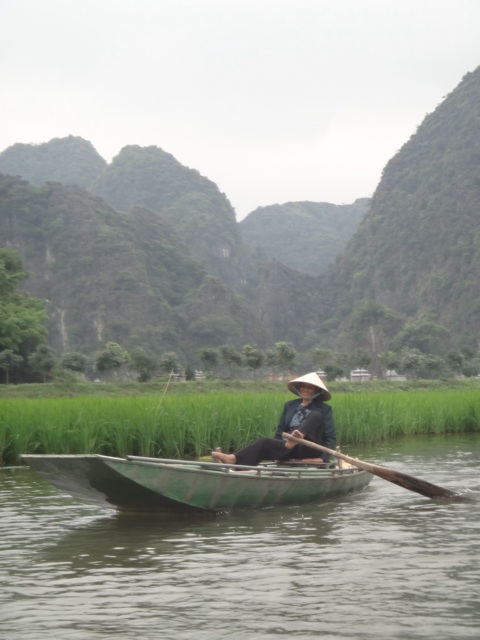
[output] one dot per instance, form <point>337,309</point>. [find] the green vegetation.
<point>415,256</point>
<point>22,323</point>
<point>108,276</point>
<point>183,424</point>
<point>151,178</point>
<point>46,162</point>
<point>305,236</point>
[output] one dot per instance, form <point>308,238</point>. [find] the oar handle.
<point>356,463</point>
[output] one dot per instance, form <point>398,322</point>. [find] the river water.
<point>384,563</point>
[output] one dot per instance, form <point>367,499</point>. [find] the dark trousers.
<point>273,449</point>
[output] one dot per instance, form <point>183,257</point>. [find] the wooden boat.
<point>156,484</point>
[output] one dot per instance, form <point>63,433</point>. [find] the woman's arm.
<point>287,413</point>
<point>329,433</point>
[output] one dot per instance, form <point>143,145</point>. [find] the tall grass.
<point>182,426</point>
<point>373,417</point>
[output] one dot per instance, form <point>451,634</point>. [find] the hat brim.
<point>312,379</point>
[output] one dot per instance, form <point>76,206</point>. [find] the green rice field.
<point>189,426</point>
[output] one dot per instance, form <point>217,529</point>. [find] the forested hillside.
<point>410,276</point>
<point>111,276</point>
<point>70,160</point>
<point>192,204</point>
<point>305,236</point>
<point>168,262</point>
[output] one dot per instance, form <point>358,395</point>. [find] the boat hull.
<point>146,484</point>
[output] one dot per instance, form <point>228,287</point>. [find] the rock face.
<point>417,250</point>
<point>305,236</point>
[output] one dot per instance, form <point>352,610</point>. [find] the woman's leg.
<point>262,449</point>
<point>254,453</point>
<point>273,449</point>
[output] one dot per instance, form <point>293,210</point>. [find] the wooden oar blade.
<point>411,483</point>
<point>414,484</point>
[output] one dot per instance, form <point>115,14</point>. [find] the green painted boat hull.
<point>148,484</point>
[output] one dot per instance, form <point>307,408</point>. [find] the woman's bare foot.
<point>289,444</point>
<point>226,458</point>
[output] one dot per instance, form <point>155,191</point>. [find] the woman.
<point>307,417</point>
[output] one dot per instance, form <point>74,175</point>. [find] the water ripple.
<point>384,563</point>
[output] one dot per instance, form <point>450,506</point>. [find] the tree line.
<point>26,357</point>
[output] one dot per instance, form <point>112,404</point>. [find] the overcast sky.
<point>273,100</point>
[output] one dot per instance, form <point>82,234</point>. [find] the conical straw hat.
<point>313,379</point>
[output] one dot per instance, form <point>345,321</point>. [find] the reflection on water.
<point>385,563</point>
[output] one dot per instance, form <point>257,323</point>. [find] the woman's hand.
<point>289,444</point>
<point>297,434</point>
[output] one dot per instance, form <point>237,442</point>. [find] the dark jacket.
<point>328,435</point>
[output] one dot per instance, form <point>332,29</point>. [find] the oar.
<point>397,477</point>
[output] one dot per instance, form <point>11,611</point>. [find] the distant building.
<point>393,376</point>
<point>281,377</point>
<point>359,375</point>
<point>322,375</point>
<point>179,375</point>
